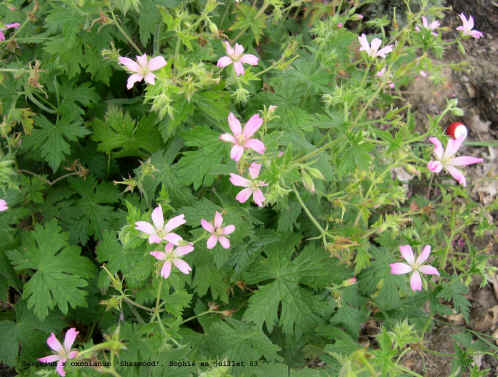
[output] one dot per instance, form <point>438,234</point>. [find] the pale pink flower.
<point>63,352</point>
<point>252,185</point>
<point>173,256</point>
<point>217,232</point>
<point>429,26</point>
<point>423,73</point>
<point>414,265</point>
<point>142,68</point>
<point>446,159</point>
<point>339,25</point>
<point>3,205</point>
<point>467,27</point>
<point>242,139</point>
<point>237,57</point>
<point>381,74</point>
<point>373,49</point>
<point>158,231</point>
<point>15,25</point>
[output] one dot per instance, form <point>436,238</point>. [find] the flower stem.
<point>127,37</point>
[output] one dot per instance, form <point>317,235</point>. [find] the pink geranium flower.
<point>381,74</point>
<point>142,68</point>
<point>429,26</point>
<point>414,265</point>
<point>3,205</point>
<point>158,231</point>
<point>63,353</point>
<point>169,255</point>
<point>217,232</point>
<point>252,186</point>
<point>467,27</point>
<point>446,159</point>
<point>237,57</point>
<point>373,49</point>
<point>242,139</point>
<point>15,25</point>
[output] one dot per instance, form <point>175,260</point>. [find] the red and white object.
<point>457,130</point>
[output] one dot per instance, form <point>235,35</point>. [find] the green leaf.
<point>61,272</point>
<point>455,291</point>
<point>52,141</point>
<point>248,18</point>
<point>120,135</point>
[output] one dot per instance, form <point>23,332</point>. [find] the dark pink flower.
<point>218,233</point>
<point>15,25</point>
<point>242,139</point>
<point>142,68</point>
<point>252,186</point>
<point>3,205</point>
<point>414,265</point>
<point>468,26</point>
<point>173,256</point>
<point>237,57</point>
<point>63,352</point>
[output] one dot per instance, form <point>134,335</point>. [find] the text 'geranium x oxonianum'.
<point>242,139</point>
<point>173,255</point>
<point>252,186</point>
<point>237,57</point>
<point>63,352</point>
<point>158,231</point>
<point>414,266</point>
<point>446,160</point>
<point>142,68</point>
<point>218,233</point>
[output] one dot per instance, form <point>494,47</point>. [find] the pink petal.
<point>256,145</point>
<point>154,238</point>
<point>145,227</point>
<point>234,124</point>
<point>424,22</point>
<point>375,44</point>
<point>428,270</point>
<point>465,160</point>
<point>168,248</point>
<point>249,59</point>
<point>182,266</point>
<point>228,229</point>
<point>400,268</point>
<point>158,217</point>
<point>218,219</point>
<point>3,205</point>
<point>384,51</point>
<point>407,253</point>
<point>416,281</point>
<point>228,48</point>
<point>173,238</point>
<point>71,335</point>
<point>244,195</point>
<point>252,126</point>
<point>142,60</point>
<point>236,152</point>
<point>476,34</point>
<point>365,46</point>
<point>423,255</point>
<point>258,198</point>
<point>159,255</point>
<point>133,79</point>
<point>60,369</point>
<point>239,68</point>
<point>228,138</point>
<point>254,170</point>
<point>175,222</point>
<point>237,180</point>
<point>166,270</point>
<point>211,242</point>
<point>463,18</point>
<point>438,147</point>
<point>435,166</point>
<point>470,23</point>
<point>224,61</point>
<point>207,226</point>
<point>54,343</point>
<point>150,78</point>
<point>457,174</point>
<point>73,354</point>
<point>130,64</point>
<point>49,359</point>
<point>15,25</point>
<point>225,242</point>
<point>2,36</point>
<point>239,50</point>
<point>453,146</point>
<point>156,63</point>
<point>184,250</point>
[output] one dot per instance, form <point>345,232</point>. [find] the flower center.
<point>218,231</point>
